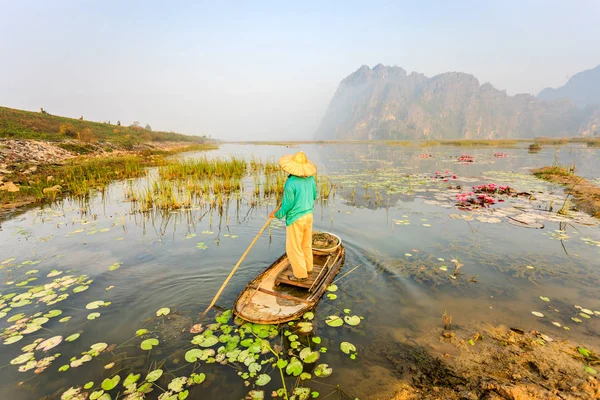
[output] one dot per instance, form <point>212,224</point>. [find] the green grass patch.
<point>20,124</point>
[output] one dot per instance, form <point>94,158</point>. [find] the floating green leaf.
<point>294,367</point>
<point>13,339</point>
<point>131,379</point>
<point>88,385</point>
<point>224,317</point>
<point>332,288</point>
<point>72,338</point>
<point>96,395</point>
<point>80,289</point>
<point>305,327</point>
<point>94,305</point>
<point>53,313</point>
<point>23,358</point>
<point>316,340</point>
<point>347,347</point>
<point>110,383</point>
<point>263,379</point>
<point>309,315</point>
<point>93,315</point>
<point>323,370</point>
<point>163,311</point>
<point>148,344</point>
<point>331,296</point>
<point>282,363</point>
<point>309,356</point>
<point>141,332</point>
<point>198,378</point>
<point>154,375</point>
<point>544,298</point>
<point>538,314</point>
<point>115,266</point>
<point>334,320</point>
<point>353,320</point>
<point>176,384</point>
<point>193,355</point>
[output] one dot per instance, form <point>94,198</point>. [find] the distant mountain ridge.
<point>387,103</point>
<point>583,89</point>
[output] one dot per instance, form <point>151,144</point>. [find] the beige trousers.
<point>298,246</point>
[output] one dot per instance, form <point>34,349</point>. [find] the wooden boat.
<point>271,298</point>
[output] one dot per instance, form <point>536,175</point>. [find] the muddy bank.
<point>492,363</point>
<point>585,194</point>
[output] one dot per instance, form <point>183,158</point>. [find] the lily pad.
<point>111,383</point>
<point>193,355</point>
<point>347,347</point>
<point>332,288</point>
<point>309,356</point>
<point>141,332</point>
<point>93,315</point>
<point>263,379</point>
<point>23,358</point>
<point>294,367</point>
<point>331,296</point>
<point>73,337</point>
<point>154,375</point>
<point>334,320</point>
<point>176,384</point>
<point>49,343</point>
<point>94,305</point>
<point>80,289</point>
<point>115,266</point>
<point>53,313</point>
<point>323,370</point>
<point>309,315</point>
<point>163,311</point>
<point>353,320</point>
<point>305,327</point>
<point>131,379</point>
<point>538,314</point>
<point>148,344</point>
<point>544,298</point>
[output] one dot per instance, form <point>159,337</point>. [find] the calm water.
<point>397,223</point>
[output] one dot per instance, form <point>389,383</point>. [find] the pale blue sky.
<point>267,70</point>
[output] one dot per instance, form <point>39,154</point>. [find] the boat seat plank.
<point>307,284</point>
<point>279,294</point>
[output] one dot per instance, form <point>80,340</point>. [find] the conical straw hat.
<point>297,164</point>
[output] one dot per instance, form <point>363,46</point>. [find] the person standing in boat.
<point>297,206</point>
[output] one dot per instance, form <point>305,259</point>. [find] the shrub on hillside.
<point>67,130</point>
<point>86,135</point>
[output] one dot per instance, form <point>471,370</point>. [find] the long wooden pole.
<point>212,303</point>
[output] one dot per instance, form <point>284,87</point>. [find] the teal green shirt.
<point>299,195</point>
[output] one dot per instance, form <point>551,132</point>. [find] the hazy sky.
<point>267,70</point>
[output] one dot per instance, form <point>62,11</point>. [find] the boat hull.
<point>266,301</point>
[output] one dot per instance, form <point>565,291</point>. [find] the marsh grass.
<point>77,178</point>
<point>214,183</point>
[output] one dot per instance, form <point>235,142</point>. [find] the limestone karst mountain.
<point>387,103</point>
